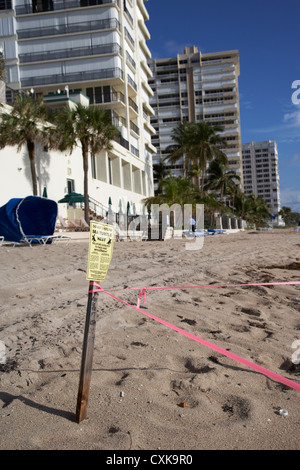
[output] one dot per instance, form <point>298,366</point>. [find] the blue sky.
<point>267,35</point>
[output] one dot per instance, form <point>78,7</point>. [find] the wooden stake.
<point>87,357</point>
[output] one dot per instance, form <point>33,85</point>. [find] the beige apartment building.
<point>194,87</point>
<point>95,51</point>
<point>261,174</point>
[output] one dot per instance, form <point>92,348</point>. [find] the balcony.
<point>134,150</point>
<point>129,38</point>
<point>111,97</point>
<point>38,7</point>
<point>73,77</point>
<point>133,105</point>
<point>132,83</point>
<point>70,53</point>
<point>134,128</point>
<point>69,29</point>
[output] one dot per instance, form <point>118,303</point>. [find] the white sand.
<point>143,370</point>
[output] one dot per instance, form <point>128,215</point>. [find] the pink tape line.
<point>200,287</point>
<point>251,365</point>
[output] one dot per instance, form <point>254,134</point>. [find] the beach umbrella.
<point>128,207</point>
<point>45,192</point>
<point>71,198</point>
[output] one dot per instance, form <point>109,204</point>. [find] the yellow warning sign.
<point>100,250</point>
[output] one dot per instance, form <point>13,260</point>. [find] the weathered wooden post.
<point>100,254</point>
<point>87,357</point>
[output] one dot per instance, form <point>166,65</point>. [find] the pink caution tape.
<point>201,287</point>
<point>251,365</point>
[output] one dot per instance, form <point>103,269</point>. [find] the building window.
<point>5,5</point>
<point>109,171</point>
<point>99,94</point>
<point>93,166</point>
<point>70,185</point>
<point>42,5</point>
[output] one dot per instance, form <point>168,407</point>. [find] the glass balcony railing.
<point>132,82</point>
<point>113,48</point>
<point>37,6</point>
<point>133,105</point>
<point>73,77</point>
<point>5,4</point>
<point>134,128</point>
<point>69,28</point>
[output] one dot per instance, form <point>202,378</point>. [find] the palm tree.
<point>221,179</point>
<point>251,208</point>
<point>88,127</point>
<point>199,143</point>
<point>178,190</point>
<point>175,190</point>
<point>24,125</point>
<point>285,213</point>
<point>195,173</point>
<point>159,173</point>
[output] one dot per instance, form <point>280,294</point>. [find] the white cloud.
<point>288,130</point>
<point>247,104</point>
<point>295,160</point>
<point>292,119</point>
<point>291,198</point>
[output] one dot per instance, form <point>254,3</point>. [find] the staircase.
<point>98,211</point>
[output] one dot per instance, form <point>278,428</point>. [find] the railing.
<point>113,48</point>
<point>128,36</point>
<point>134,128</point>
<point>112,23</point>
<point>134,150</point>
<point>130,60</point>
<point>122,220</point>
<point>58,5</point>
<point>129,15</point>
<point>5,4</point>
<point>73,77</point>
<point>133,105</point>
<point>132,82</point>
<point>97,207</point>
<point>120,140</point>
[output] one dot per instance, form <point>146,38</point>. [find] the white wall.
<point>53,170</point>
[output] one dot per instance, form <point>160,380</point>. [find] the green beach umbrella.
<point>72,198</point>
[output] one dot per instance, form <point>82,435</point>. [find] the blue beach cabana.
<point>29,216</point>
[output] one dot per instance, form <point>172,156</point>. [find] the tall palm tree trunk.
<point>31,154</point>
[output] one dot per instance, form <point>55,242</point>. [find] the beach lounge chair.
<point>44,239</point>
<point>61,223</point>
<point>83,223</point>
<point>1,240</point>
<point>74,224</point>
<point>196,233</point>
<point>212,230</point>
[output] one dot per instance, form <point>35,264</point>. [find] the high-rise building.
<point>194,87</point>
<point>261,175</point>
<point>97,48</point>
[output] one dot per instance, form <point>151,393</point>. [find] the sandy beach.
<point>152,388</point>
